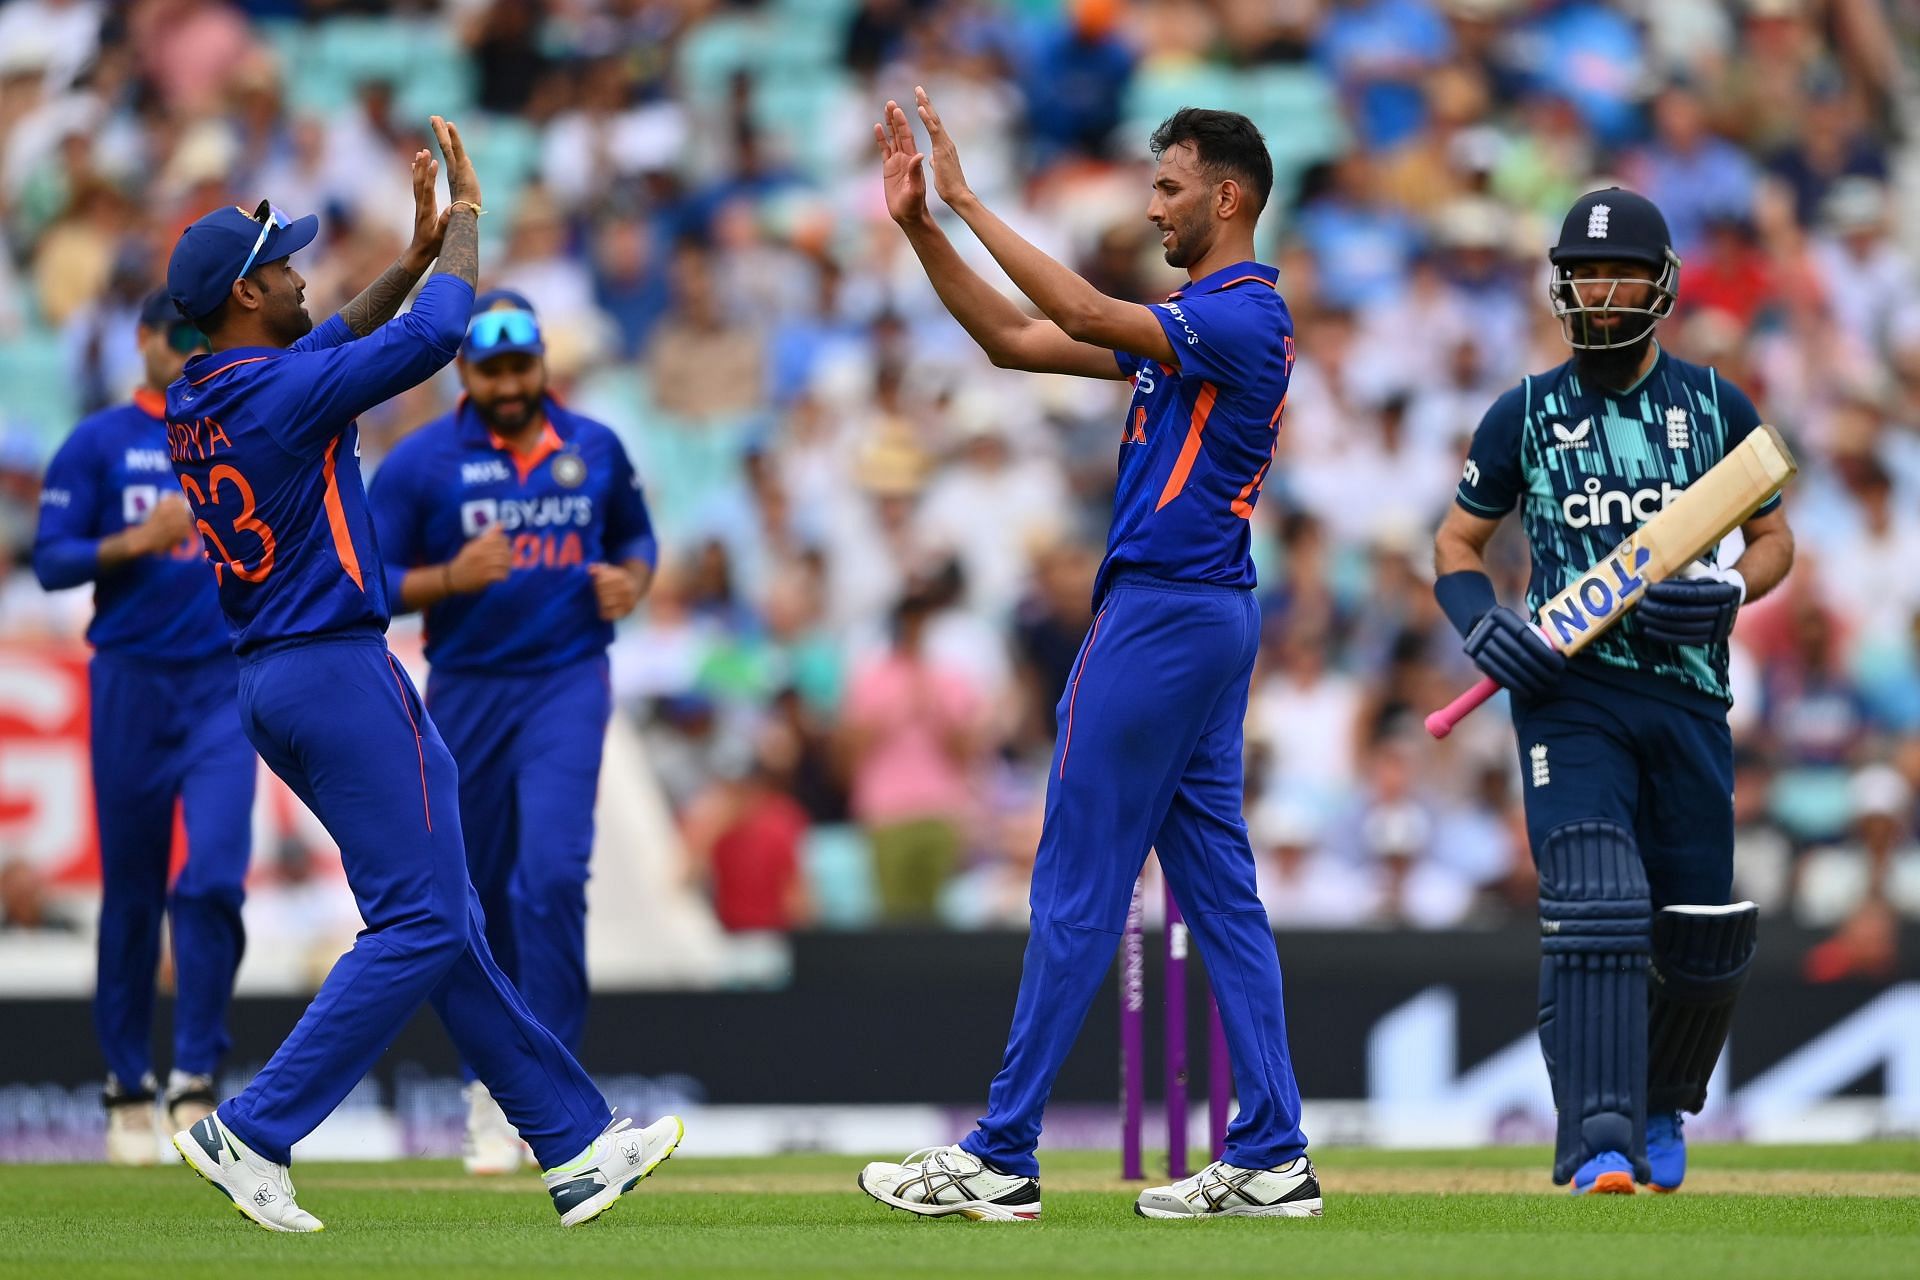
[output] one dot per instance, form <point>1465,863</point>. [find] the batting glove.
<point>1698,607</point>
<point>1506,648</point>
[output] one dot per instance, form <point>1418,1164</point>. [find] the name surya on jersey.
<point>196,441</point>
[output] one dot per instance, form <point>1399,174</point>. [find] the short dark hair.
<point>1228,144</point>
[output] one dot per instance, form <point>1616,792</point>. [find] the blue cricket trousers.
<point>339,720</point>
<point>529,748</point>
<point>1148,756</point>
<point>167,731</point>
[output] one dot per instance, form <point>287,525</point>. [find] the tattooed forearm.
<point>380,301</point>
<point>460,251</point>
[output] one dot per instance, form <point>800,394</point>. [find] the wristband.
<point>455,204</point>
<point>1464,596</point>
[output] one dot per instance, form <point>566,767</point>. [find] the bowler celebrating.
<point>1148,754</point>
<point>264,442</point>
<point>165,730</point>
<point>519,526</point>
<point>1625,753</point>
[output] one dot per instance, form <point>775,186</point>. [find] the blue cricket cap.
<point>503,324</point>
<point>226,244</point>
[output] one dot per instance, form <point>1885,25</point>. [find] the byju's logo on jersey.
<point>1596,504</point>
<point>137,502</point>
<point>1578,436</point>
<point>1597,221</point>
<point>490,471</point>
<point>479,516</point>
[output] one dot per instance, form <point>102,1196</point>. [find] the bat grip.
<point>1441,722</point>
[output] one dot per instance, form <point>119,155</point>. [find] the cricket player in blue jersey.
<point>1148,752</point>
<point>165,731</point>
<point>520,528</point>
<point>1625,749</point>
<point>263,439</point>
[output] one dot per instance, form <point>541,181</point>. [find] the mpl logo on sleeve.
<point>478,516</point>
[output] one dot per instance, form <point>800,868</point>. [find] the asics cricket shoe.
<point>1607,1174</point>
<point>612,1165</point>
<point>260,1189</point>
<point>1221,1190</point>
<point>133,1122</point>
<point>1666,1151</point>
<point>189,1099</point>
<point>943,1182</point>
<point>492,1144</point>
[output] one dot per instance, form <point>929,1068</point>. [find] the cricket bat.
<point>1706,511</point>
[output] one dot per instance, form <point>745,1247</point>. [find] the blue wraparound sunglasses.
<point>269,216</point>
<point>492,329</point>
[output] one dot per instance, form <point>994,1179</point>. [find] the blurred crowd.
<point>878,550</point>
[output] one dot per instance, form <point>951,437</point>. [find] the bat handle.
<point>1441,722</point>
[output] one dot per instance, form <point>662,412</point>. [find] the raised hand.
<point>462,182</point>
<point>902,172</point>
<point>948,180</point>
<point>429,219</point>
<point>485,560</point>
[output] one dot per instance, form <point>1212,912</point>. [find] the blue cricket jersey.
<point>1199,437</point>
<point>106,478</point>
<point>264,442</point>
<point>574,501</point>
<point>1587,466</point>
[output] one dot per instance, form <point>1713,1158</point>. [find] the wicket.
<point>1133,995</point>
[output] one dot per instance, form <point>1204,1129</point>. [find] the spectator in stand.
<point>746,834</point>
<point>913,741</point>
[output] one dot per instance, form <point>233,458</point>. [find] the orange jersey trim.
<point>223,368</point>
<point>337,520</point>
<point>1190,449</point>
<point>419,747</point>
<point>150,402</point>
<point>1073,697</point>
<point>524,463</point>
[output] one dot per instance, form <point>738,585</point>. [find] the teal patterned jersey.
<point>1586,466</point>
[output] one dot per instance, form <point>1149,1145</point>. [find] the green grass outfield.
<point>1755,1212</point>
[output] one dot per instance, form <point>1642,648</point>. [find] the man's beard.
<point>1614,368</point>
<point>491,415</point>
<point>1187,247</point>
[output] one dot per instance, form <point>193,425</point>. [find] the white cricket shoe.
<point>1223,1191</point>
<point>612,1165</point>
<point>189,1100</point>
<point>492,1144</point>
<point>941,1182</point>
<point>133,1123</point>
<point>260,1189</point>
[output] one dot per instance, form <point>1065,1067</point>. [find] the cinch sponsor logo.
<point>1596,504</point>
<point>1600,593</point>
<point>525,513</point>
<point>148,460</point>
<point>489,472</point>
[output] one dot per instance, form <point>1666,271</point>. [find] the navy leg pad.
<point>1701,956</point>
<point>1595,934</point>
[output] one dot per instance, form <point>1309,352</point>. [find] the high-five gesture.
<point>901,166</point>
<point>947,178</point>
<point>463,184</point>
<point>429,219</point>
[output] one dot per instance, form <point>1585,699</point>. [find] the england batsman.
<point>165,731</point>
<point>520,527</point>
<point>1625,752</point>
<point>1148,752</point>
<point>264,442</point>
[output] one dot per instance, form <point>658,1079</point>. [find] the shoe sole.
<point>1615,1183</point>
<point>971,1210</point>
<point>248,1214</point>
<point>1293,1209</point>
<point>587,1210</point>
<point>1659,1190</point>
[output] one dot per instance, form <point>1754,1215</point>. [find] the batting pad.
<point>1701,956</point>
<point>1595,926</point>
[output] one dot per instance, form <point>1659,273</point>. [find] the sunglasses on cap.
<point>185,338</point>
<point>269,216</point>
<point>502,328</point>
